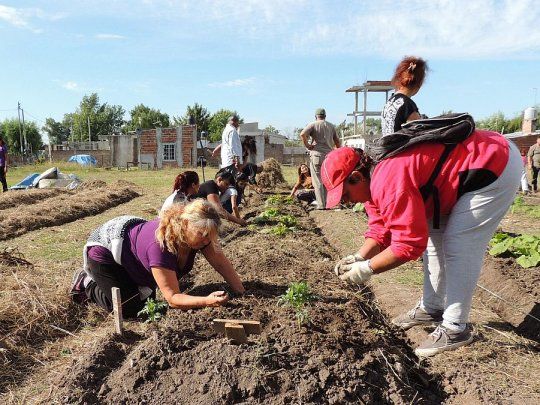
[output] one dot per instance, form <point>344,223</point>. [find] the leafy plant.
<point>279,200</point>
<point>298,296</point>
<point>288,220</point>
<point>358,207</point>
<point>154,310</point>
<point>266,216</point>
<point>280,230</point>
<point>526,248</point>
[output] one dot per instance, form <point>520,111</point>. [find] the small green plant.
<point>525,248</point>
<point>280,230</point>
<point>358,207</point>
<point>298,296</point>
<point>267,215</point>
<point>288,220</point>
<point>279,200</point>
<point>154,310</point>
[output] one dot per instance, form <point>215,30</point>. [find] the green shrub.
<point>525,248</point>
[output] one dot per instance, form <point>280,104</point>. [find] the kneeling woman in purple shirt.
<point>138,256</point>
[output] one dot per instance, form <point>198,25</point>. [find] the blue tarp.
<point>27,182</point>
<point>83,160</point>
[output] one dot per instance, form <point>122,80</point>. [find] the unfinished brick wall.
<point>525,141</point>
<point>152,140</point>
<point>273,151</point>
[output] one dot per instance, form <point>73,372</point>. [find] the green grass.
<point>519,206</point>
<point>150,179</point>
<point>409,275</point>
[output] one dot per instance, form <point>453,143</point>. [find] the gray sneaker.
<point>417,316</point>
<point>442,339</point>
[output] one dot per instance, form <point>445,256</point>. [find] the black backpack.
<point>448,129</point>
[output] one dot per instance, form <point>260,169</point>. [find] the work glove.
<point>357,272</point>
<point>347,260</point>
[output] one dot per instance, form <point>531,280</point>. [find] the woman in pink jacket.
<point>476,185</point>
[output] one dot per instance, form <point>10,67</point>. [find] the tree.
<point>104,119</point>
<point>218,122</point>
<point>56,131</point>
<point>270,130</point>
<point>9,130</point>
<point>144,117</point>
<point>199,113</point>
<point>495,122</point>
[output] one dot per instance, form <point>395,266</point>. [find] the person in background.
<point>476,186</point>
<point>3,164</point>
<point>303,189</point>
<point>186,185</point>
<point>231,146</point>
<point>524,181</point>
<point>212,189</point>
<point>139,256</point>
<point>232,197</point>
<point>323,138</point>
<point>400,108</point>
<point>534,163</point>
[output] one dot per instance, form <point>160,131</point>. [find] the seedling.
<point>288,220</point>
<point>526,248</point>
<point>279,200</point>
<point>358,207</point>
<point>267,216</point>
<point>280,230</point>
<point>298,296</point>
<point>154,310</point>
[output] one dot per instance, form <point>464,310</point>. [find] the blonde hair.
<point>174,221</point>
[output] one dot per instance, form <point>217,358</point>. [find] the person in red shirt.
<point>476,186</point>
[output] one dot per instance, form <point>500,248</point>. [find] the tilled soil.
<point>50,209</point>
<point>346,354</point>
<point>501,366</point>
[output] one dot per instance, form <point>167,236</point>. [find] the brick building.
<point>168,147</point>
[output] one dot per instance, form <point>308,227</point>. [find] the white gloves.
<point>347,260</point>
<point>357,272</point>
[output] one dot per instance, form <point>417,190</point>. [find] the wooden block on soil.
<point>250,327</point>
<point>235,332</point>
<point>117,310</point>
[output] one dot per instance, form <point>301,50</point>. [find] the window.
<point>169,151</point>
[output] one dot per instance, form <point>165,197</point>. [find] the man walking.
<point>534,162</point>
<point>231,147</point>
<point>323,135</point>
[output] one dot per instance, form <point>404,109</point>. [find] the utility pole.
<point>89,134</point>
<point>24,133</point>
<point>20,128</point>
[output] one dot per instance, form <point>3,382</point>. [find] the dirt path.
<point>499,367</point>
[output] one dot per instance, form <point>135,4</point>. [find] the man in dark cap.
<point>323,139</point>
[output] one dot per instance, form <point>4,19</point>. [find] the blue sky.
<point>272,61</point>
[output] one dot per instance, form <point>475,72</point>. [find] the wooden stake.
<point>235,332</point>
<point>117,310</point>
<point>250,327</point>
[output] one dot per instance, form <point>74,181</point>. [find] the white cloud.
<point>441,29</point>
<point>73,86</point>
<point>22,17</point>
<point>234,83</point>
<point>109,36</point>
<point>78,87</point>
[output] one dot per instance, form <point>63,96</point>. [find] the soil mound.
<point>271,175</point>
<point>31,196</point>
<point>92,184</point>
<point>66,208</point>
<point>346,354</point>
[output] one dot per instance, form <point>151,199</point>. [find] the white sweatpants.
<point>455,252</point>
<point>524,181</point>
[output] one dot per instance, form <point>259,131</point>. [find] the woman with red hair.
<point>400,108</point>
